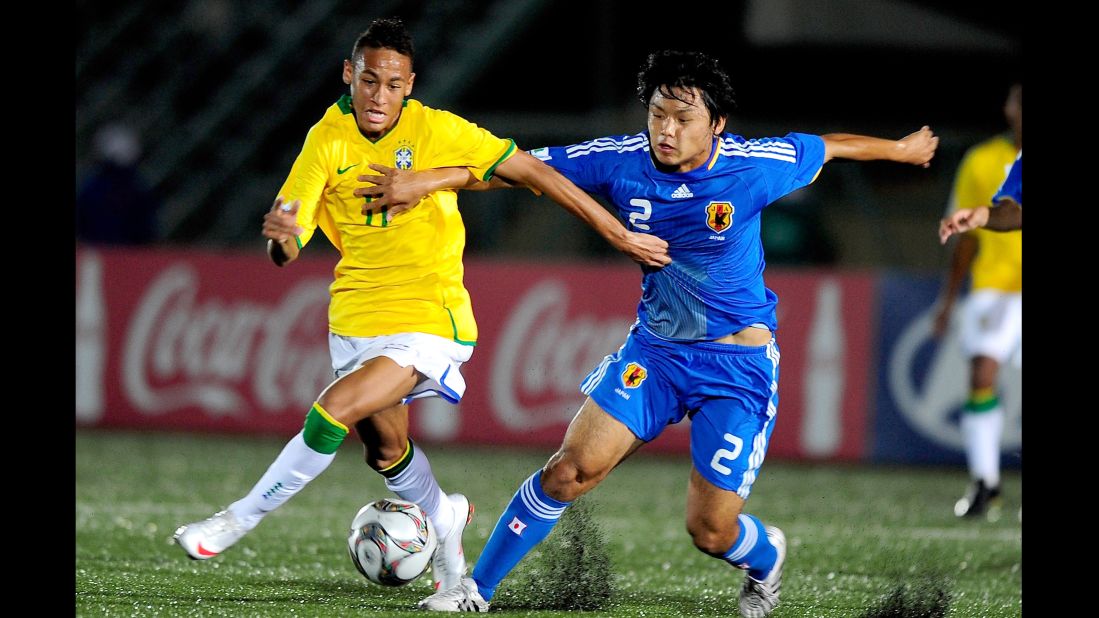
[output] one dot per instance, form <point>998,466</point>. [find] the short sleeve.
<point>460,143</point>
<point>306,182</point>
<point>786,163</point>
<point>590,165</point>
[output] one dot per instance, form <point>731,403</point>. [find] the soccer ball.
<point>392,541</point>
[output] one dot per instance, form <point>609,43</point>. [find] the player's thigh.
<point>632,386</point>
<point>729,439</point>
<point>378,384</point>
<point>594,444</point>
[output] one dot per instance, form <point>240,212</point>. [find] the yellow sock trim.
<point>328,417</point>
<point>401,464</point>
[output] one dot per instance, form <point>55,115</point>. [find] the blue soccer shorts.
<point>730,393</point>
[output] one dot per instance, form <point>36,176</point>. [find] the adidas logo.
<point>682,192</point>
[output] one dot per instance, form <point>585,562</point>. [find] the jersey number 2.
<point>724,453</point>
<point>646,212</point>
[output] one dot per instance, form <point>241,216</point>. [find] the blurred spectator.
<point>114,206</point>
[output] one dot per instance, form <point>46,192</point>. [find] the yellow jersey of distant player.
<point>396,275</point>
<point>999,261</point>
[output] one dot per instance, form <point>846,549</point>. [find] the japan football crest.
<point>634,375</point>
<point>719,216</point>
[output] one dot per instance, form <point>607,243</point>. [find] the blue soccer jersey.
<point>1013,184</point>
<point>709,216</point>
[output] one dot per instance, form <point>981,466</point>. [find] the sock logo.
<point>270,492</point>
<point>517,526</point>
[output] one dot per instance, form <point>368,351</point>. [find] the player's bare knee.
<point>343,409</point>
<point>713,538</point>
<point>564,480</point>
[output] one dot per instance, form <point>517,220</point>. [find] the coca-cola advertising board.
<point>228,342</point>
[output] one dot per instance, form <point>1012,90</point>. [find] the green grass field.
<point>855,534</point>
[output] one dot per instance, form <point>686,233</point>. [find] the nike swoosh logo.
<point>342,170</point>
<point>202,551</point>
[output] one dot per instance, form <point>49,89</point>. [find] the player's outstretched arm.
<point>399,190</point>
<point>1005,216</point>
<point>917,148</point>
<point>281,229</point>
<point>642,248</point>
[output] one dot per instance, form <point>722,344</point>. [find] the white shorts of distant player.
<point>992,324</point>
<point>438,359</point>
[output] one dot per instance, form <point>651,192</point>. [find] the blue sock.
<point>530,516</point>
<point>752,550</point>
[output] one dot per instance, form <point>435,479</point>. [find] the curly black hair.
<point>385,33</point>
<point>669,69</point>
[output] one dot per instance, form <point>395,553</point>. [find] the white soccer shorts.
<point>992,324</point>
<point>439,359</point>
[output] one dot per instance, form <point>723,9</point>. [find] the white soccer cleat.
<point>759,598</point>
<point>465,597</point>
<point>449,564</point>
<point>207,538</point>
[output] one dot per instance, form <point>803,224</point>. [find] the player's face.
<point>380,79</point>
<point>681,132</point>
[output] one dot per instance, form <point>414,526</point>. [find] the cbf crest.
<point>719,216</point>
<point>403,156</point>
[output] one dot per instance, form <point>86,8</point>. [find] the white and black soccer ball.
<point>392,541</point>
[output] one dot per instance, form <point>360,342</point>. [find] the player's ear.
<point>348,72</point>
<point>719,126</point>
<point>408,88</point>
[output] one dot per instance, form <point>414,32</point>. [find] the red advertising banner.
<point>228,342</point>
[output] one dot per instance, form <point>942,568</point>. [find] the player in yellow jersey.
<point>991,317</point>
<point>400,319</point>
<point>1004,215</point>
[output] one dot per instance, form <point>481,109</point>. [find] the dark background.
<point>220,95</point>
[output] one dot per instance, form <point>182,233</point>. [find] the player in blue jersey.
<point>1005,215</point>
<point>703,344</point>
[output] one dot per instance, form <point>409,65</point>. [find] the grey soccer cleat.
<point>759,598</point>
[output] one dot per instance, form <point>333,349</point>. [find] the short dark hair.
<point>385,33</point>
<point>669,69</point>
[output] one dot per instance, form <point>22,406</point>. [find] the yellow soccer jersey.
<point>403,275</point>
<point>999,261</point>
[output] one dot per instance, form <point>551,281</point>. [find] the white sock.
<point>982,431</point>
<point>417,484</point>
<point>292,470</point>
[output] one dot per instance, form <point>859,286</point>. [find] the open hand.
<point>395,190</point>
<point>645,249</point>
